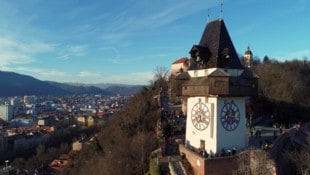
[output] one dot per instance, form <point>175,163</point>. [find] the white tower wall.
<point>215,136</point>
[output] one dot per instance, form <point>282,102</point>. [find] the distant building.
<point>69,120</point>
<point>76,146</point>
<point>47,121</point>
<point>2,147</point>
<point>7,171</point>
<point>15,102</point>
<point>81,121</point>
<point>87,120</point>
<point>30,99</point>
<point>6,112</point>
<point>92,121</point>
<point>180,65</point>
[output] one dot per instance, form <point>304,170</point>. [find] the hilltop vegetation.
<point>285,82</point>
<point>283,90</point>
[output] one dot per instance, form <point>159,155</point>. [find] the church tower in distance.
<point>247,58</point>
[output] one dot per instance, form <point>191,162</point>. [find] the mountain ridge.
<point>16,84</point>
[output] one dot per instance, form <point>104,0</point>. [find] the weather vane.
<point>213,8</point>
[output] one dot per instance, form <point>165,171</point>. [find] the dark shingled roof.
<point>247,73</point>
<point>223,54</point>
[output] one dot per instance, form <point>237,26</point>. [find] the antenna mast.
<point>221,14</point>
<point>208,15</point>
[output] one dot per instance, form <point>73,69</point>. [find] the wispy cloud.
<point>21,52</point>
<point>68,52</point>
<point>243,30</point>
<point>26,47</point>
<point>89,74</point>
<point>8,57</point>
<point>150,16</point>
<point>162,15</point>
<point>139,78</point>
<point>42,72</point>
<point>114,37</point>
<point>84,29</point>
<point>111,54</point>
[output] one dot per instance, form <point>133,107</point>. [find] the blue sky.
<point>123,41</point>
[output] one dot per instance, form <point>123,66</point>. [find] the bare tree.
<point>301,158</point>
<point>254,163</point>
<point>243,164</point>
<point>161,75</point>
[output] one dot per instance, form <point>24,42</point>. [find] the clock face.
<point>200,116</point>
<point>230,116</point>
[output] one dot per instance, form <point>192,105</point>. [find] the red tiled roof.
<point>181,60</point>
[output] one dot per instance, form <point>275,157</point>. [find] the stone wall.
<point>210,166</point>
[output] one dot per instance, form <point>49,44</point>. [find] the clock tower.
<point>215,89</point>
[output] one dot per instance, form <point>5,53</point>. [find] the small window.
<point>206,72</point>
<point>196,73</point>
<point>219,83</point>
<point>202,144</point>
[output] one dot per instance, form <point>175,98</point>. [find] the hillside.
<point>124,90</point>
<point>113,89</point>
<point>14,84</point>
<point>127,140</point>
<point>79,89</point>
